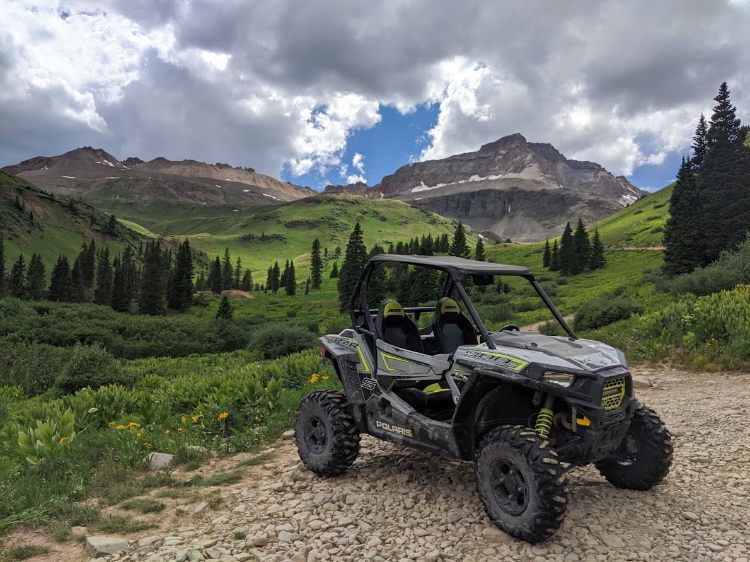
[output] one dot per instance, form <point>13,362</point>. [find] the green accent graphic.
<point>385,356</point>
<point>516,364</point>
<point>365,366</point>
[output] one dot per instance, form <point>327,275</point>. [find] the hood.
<point>560,352</point>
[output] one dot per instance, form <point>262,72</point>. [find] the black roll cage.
<point>453,279</point>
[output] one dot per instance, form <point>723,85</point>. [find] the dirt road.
<point>398,504</point>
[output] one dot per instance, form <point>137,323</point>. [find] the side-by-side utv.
<point>524,407</point>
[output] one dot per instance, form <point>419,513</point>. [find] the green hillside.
<point>262,235</point>
<point>633,241</point>
<point>34,221</point>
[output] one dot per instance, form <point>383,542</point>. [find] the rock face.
<point>98,546</point>
<point>512,188</point>
<point>100,178</point>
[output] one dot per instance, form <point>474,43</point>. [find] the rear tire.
<point>645,455</point>
<point>326,434</point>
<point>521,483</point>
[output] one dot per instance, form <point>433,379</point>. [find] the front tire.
<point>521,483</point>
<point>326,434</point>
<point>645,455</point>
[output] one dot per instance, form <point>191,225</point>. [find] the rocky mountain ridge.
<point>96,175</point>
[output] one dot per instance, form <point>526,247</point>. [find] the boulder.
<point>98,546</point>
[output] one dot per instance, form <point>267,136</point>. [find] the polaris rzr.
<point>525,407</point>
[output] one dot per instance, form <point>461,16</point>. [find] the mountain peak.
<point>504,143</point>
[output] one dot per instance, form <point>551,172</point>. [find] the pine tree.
<point>120,302</point>
<point>597,259</point>
<point>334,271</point>
<point>35,278</point>
<point>316,265</point>
<point>103,292</point>
<point>180,295</point>
<point>227,273</point>
<point>307,286</point>
<point>225,310</point>
<point>581,248</point>
<point>479,251</point>
<point>2,266</point>
<point>459,247</point>
<point>355,258</point>
<point>683,241</point>
<point>61,281</point>
<point>152,282</point>
<point>725,127</point>
<point>127,262</point>
<point>247,281</point>
<point>215,280</point>
<point>275,278</point>
<point>700,142</point>
<point>111,227</point>
<point>237,274</point>
<point>78,290</point>
<point>88,264</point>
<point>282,279</point>
<point>201,284</point>
<point>547,255</point>
<point>17,279</point>
<point>290,281</point>
<point>567,251</point>
<point>554,260</point>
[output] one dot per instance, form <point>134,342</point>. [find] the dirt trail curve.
<point>399,504</point>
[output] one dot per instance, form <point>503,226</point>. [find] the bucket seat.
<point>450,327</point>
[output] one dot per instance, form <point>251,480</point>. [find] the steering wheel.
<point>510,328</point>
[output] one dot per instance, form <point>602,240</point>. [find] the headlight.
<point>561,379</point>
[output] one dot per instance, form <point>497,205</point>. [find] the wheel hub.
<point>316,435</point>
<point>509,486</point>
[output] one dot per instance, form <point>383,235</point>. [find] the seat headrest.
<point>391,308</point>
<point>448,306</point>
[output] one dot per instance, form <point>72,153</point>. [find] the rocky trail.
<point>399,504</point>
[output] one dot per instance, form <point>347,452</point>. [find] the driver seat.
<point>450,327</point>
<point>395,328</point>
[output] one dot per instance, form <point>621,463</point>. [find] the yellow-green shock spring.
<point>543,423</point>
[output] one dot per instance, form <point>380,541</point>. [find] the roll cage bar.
<point>456,269</point>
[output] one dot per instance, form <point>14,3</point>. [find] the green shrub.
<point>605,310</point>
<point>552,328</point>
<point>33,367</point>
<point>497,312</point>
<point>562,281</point>
<point>280,338</point>
<point>730,270</point>
<point>90,366</point>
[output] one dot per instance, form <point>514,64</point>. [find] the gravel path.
<point>399,504</point>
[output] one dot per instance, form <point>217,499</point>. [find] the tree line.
<point>710,204</point>
<point>576,253</point>
<point>148,280</point>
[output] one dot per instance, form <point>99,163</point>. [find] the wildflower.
<point>138,434</point>
<point>167,432</point>
<point>147,445</point>
<point>112,424</point>
<point>194,418</point>
<point>222,416</point>
<point>120,427</point>
<point>133,425</point>
<point>64,440</point>
<point>314,379</point>
<point>180,430</point>
<point>325,377</point>
<point>183,420</point>
<point>93,410</point>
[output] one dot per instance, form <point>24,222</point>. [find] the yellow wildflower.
<point>194,418</point>
<point>64,440</point>
<point>167,432</point>
<point>180,430</point>
<point>325,377</point>
<point>183,420</point>
<point>138,434</point>
<point>133,425</point>
<point>147,445</point>
<point>112,424</point>
<point>314,379</point>
<point>120,427</point>
<point>222,416</point>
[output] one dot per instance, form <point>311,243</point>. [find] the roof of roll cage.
<point>457,266</point>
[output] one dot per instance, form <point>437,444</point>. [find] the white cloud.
<point>285,83</point>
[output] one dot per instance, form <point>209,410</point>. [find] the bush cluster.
<point>604,311</point>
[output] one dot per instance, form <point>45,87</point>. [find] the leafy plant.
<point>47,439</point>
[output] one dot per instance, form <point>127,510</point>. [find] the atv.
<point>524,407</point>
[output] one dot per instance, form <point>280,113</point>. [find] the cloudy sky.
<point>334,91</point>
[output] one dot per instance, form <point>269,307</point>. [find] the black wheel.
<point>521,483</point>
<point>326,435</point>
<point>645,455</point>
